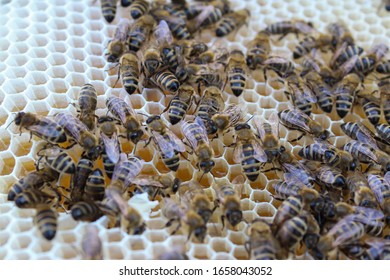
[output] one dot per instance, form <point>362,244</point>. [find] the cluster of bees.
<point>329,203</point>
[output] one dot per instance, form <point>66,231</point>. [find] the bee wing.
<point>376,187</point>
<point>122,30</point>
<point>355,232</point>
<point>146,180</point>
<point>303,93</point>
<point>366,137</point>
<point>176,143</point>
<point>311,61</point>
<point>300,172</point>
<point>347,66</point>
<point>338,52</point>
<point>238,153</point>
<point>119,108</point>
<point>276,59</point>
<point>304,27</point>
<point>377,242</point>
<point>50,127</point>
<point>300,119</point>
<point>195,131</point>
<point>258,122</point>
<point>370,213</point>
<point>111,146</point>
<point>235,113</point>
<point>163,33</point>
<point>291,179</point>
<point>387,177</point>
<point>258,151</point>
<point>164,145</point>
<point>204,14</point>
<point>71,124</point>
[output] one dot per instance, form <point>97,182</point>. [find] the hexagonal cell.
<point>265,210</point>
<point>220,245</point>
<point>14,86</point>
<point>240,253</point>
<point>214,229</point>
<point>19,256</point>
<point>66,223</point>
<point>5,139</point>
<point>59,101</point>
<point>95,61</point>
<point>57,24</point>
<point>260,196</point>
<point>113,235</point>
<point>250,96</point>
<point>66,252</point>
<point>37,78</point>
<point>201,252</point>
<point>20,242</point>
<point>155,224</point>
<point>76,66</point>
<point>7,163</point>
<point>58,85</point>
<point>114,253</point>
<point>57,72</point>
<point>23,213</point>
<point>42,246</point>
<point>67,237</point>
<point>37,41</point>
<point>156,235</point>
<point>21,145</point>
<point>220,169</point>
<point>4,237</point>
<point>136,243</point>
<point>4,222</point>
<point>95,74</point>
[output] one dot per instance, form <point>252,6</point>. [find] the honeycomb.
<point>50,49</point>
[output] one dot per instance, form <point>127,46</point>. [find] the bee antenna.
<point>145,115</point>
<point>202,176</point>
<point>248,120</point>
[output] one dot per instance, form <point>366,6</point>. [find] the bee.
<point>378,249</point>
<point>117,46</point>
<point>46,221</point>
<point>138,8</point>
<point>196,135</point>
<point>331,177</point>
<point>180,103</point>
<point>384,88</point>
<point>300,93</point>
<point>261,245</point>
<point>58,160</point>
<point>92,244</point>
<point>292,231</point>
<point>324,209</point>
<point>83,169</point>
<point>140,32</point>
<point>132,221</point>
<point>268,132</point>
<point>258,50</point>
<point>236,69</point>
<point>166,81</point>
<point>354,251</point>
<point>283,28</point>
<point>87,211</point>
<point>297,120</point>
<point>209,15</point>
<point>321,90</point>
<point>33,180</point>
<point>285,189</point>
<point>157,184</point>
<point>194,197</point>
<point>192,48</point>
<point>228,118</point>
<point>127,116</point>
<point>127,168</point>
<point>175,22</point>
<point>279,65</point>
<point>344,53</point>
<point>126,3</point>
<point>41,127</point>
<point>371,108</point>
<point>232,21</point>
<point>30,198</point>
<point>341,34</point>
<point>79,132</point>
<point>383,131</point>
<point>291,207</point>
<point>380,186</point>
<point>87,105</point>
<point>151,61</point>
<point>193,222</point>
<point>167,143</point>
<point>108,9</point>
<point>363,195</point>
<point>384,4</point>
<point>310,42</point>
<point>358,131</point>
<point>129,72</point>
<point>229,199</point>
<point>383,67</point>
<point>95,186</point>
<point>248,151</point>
<point>324,152</point>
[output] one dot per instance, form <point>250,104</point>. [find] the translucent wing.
<point>122,30</point>
<point>238,153</point>
<point>366,136</point>
<point>387,177</point>
<point>259,152</point>
<point>355,231</point>
<point>164,145</point>
<point>147,180</point>
<point>195,132</point>
<point>369,213</point>
<point>204,14</point>
<point>51,128</point>
<point>337,53</point>
<point>304,27</point>
<point>300,119</point>
<point>276,60</point>
<point>302,92</point>
<point>163,33</point>
<point>300,172</point>
<point>347,66</point>
<point>71,124</point>
<point>175,142</point>
<point>378,187</point>
<point>111,146</point>
<point>291,179</point>
<point>235,113</point>
<point>119,108</point>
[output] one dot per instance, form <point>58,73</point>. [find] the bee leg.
<point>176,229</point>
<point>284,35</point>
<point>186,158</point>
<point>247,246</point>
<point>148,142</point>
<point>297,139</point>
<point>223,221</point>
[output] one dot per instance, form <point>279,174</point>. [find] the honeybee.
<point>79,132</point>
<point>58,160</point>
<point>127,168</point>
<point>283,28</point>
<point>95,186</point>
<point>324,152</point>
<point>341,34</point>
<point>297,120</point>
<point>383,67</point>
<point>126,114</point>
<point>363,195</point>
<point>292,231</point>
<point>180,103</point>
<point>384,88</point>
<point>87,211</point>
<point>287,188</point>
<point>358,131</point>
<point>151,61</point>
<point>140,32</point>
<point>87,105</point>
<point>33,180</point>
<point>168,144</point>
<point>378,249</point>
<point>166,81</point>
<point>331,177</point>
<point>237,71</point>
<point>344,53</point>
<point>192,48</point>
<point>291,207</point>
<point>175,22</point>
<point>83,169</point>
<point>383,131</point>
<point>132,221</point>
<point>371,107</point>
<point>229,199</point>
<point>248,151</point>
<point>41,127</point>
<point>117,46</point>
<point>129,72</point>
<point>193,222</point>
<point>162,184</point>
<point>193,196</point>
<point>258,50</point>
<point>92,244</point>
<point>169,52</point>
<point>46,221</point>
<point>31,198</point>
<point>380,186</point>
<point>232,21</point>
<point>228,118</point>
<point>108,9</point>
<point>279,65</point>
<point>321,90</point>
<point>208,15</point>
<point>261,245</point>
<point>138,8</point>
<point>196,135</point>
<point>310,42</point>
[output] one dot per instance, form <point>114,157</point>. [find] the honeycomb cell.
<point>20,242</point>
<point>21,146</point>
<point>265,210</point>
<point>67,237</point>
<point>114,252</point>
<point>200,251</point>
<point>5,139</point>
<point>4,237</point>
<point>65,252</point>
<point>41,247</point>
<point>240,253</point>
<point>19,256</point>
<point>7,163</point>
<point>4,222</point>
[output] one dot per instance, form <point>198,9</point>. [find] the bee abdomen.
<point>386,111</point>
<point>85,211</point>
<point>168,81</point>
<point>365,65</point>
<point>225,27</point>
<point>324,100</point>
<point>304,107</point>
<point>250,165</point>
<point>46,220</point>
<point>343,104</point>
<point>237,82</point>
<point>108,10</point>
<point>372,111</point>
<point>94,188</point>
<point>62,163</point>
<point>172,163</point>
<point>108,165</point>
<point>264,252</point>
<point>384,67</point>
<point>130,81</point>
<point>177,111</point>
<point>138,8</point>
<point>136,41</point>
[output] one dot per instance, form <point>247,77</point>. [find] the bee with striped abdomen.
<point>138,8</point>
<point>162,184</point>
<point>83,169</point>
<point>127,168</point>
<point>95,186</point>
<point>176,23</point>
<point>180,103</point>
<point>31,198</point>
<point>340,33</point>
<point>87,211</point>
<point>362,194</point>
<point>232,22</point>
<point>320,41</point>
<point>87,105</point>
<point>331,177</point>
<point>140,31</point>
<point>228,118</point>
<point>166,81</point>
<point>344,53</point>
<point>262,244</point>
<point>371,107</point>
<point>321,90</point>
<point>283,28</point>
<point>46,221</point>
<point>108,9</point>
<point>129,72</point>
<point>237,72</point>
<point>258,50</point>
<point>58,160</point>
<point>118,45</point>
<point>279,65</point>
<point>383,67</point>
<point>292,231</point>
<point>380,186</point>
<point>294,187</point>
<point>291,207</point>
<point>383,131</point>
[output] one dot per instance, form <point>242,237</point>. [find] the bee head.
<point>104,119</point>
<point>324,135</point>
<point>353,165</point>
<point>234,216</point>
<point>140,229</point>
<point>152,118</point>
<point>21,201</point>
<point>111,58</point>
<point>135,136</point>
<point>176,185</point>
<point>211,127</point>
<point>200,232</point>
<point>19,117</point>
<point>206,166</point>
<point>241,126</point>
<point>94,153</point>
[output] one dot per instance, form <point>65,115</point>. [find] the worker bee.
<point>191,49</point>
<point>362,194</point>
<point>279,65</point>
<point>33,180</point>
<point>41,127</point>
<point>175,22</point>
<point>108,9</point>
<point>193,222</point>
<point>232,21</point>
<point>129,72</point>
<point>261,245</point>
<point>283,28</point>
<point>92,244</point>
<point>180,103</point>
<point>292,231</point>
<point>377,248</point>
<point>117,46</point>
<point>166,81</point>
<point>46,221</point>
<point>132,221</point>
<point>87,105</point>
<point>383,131</point>
<point>87,211</point>
<point>383,67</point>
<point>126,114</point>
<point>127,168</point>
<point>380,186</point>
<point>209,15</point>
<point>228,118</point>
<point>297,120</point>
<point>258,50</point>
<point>151,61</point>
<point>196,135</point>
<point>138,8</point>
<point>358,131</point>
<point>299,92</point>
<point>344,53</point>
<point>229,199</point>
<point>95,186</point>
<point>291,207</point>
<point>58,160</point>
<point>194,197</point>
<point>83,169</point>
<point>162,184</point>
<point>310,42</point>
<point>324,152</point>
<point>340,33</point>
<point>321,90</point>
<point>331,177</point>
<point>248,151</point>
<point>236,69</point>
<point>79,132</point>
<point>140,31</point>
<point>371,108</point>
<point>30,198</point>
<point>167,143</point>
<point>384,88</point>
<point>294,187</point>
